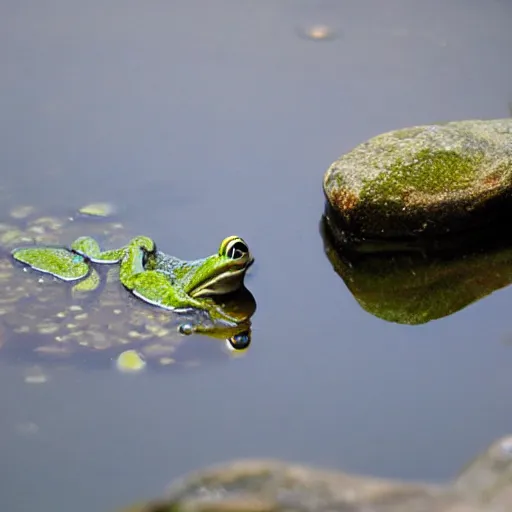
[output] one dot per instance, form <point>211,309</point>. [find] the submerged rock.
<point>485,485</point>
<point>422,181</point>
<point>411,288</point>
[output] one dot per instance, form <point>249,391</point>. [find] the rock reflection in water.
<point>414,285</point>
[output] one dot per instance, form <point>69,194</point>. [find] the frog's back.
<point>171,266</point>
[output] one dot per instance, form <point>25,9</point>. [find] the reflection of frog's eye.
<point>185,329</point>
<point>234,248</point>
<point>239,341</point>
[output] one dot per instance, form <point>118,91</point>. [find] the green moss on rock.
<point>430,179</point>
<point>431,172</point>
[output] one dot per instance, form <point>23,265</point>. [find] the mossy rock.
<point>484,485</point>
<point>422,181</point>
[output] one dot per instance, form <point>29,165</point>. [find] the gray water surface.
<point>203,119</point>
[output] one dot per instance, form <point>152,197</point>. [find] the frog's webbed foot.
<point>89,247</point>
<point>57,261</point>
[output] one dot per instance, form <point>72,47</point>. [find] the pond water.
<point>204,119</point>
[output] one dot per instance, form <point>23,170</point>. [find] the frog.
<point>151,275</point>
<point>48,317</point>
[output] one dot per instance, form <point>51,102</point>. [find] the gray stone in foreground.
<point>271,485</point>
<point>422,181</point>
<point>485,485</point>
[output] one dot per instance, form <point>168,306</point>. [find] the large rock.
<point>422,182</point>
<point>485,485</point>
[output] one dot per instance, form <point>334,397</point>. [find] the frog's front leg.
<point>154,287</point>
<point>133,257</point>
<point>89,247</point>
<point>149,285</point>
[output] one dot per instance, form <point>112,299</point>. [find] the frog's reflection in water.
<point>57,322</point>
<point>240,306</point>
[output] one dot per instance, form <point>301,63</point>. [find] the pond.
<point>199,120</point>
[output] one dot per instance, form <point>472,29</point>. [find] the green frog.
<point>151,275</point>
<point>60,306</point>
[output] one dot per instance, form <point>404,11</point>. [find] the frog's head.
<point>219,273</point>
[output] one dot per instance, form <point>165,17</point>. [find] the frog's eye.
<point>239,341</point>
<point>237,250</point>
<point>234,248</point>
